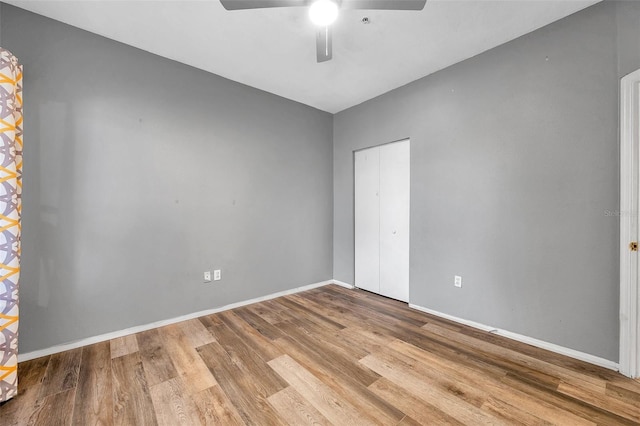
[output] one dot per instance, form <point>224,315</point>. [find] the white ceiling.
<point>274,49</point>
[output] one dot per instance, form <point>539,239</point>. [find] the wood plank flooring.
<point>325,356</point>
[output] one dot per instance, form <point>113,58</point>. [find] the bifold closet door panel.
<point>394,220</point>
<point>367,219</point>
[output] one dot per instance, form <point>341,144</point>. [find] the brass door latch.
<point>633,246</point>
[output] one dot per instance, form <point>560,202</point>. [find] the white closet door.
<point>394,220</point>
<point>367,219</point>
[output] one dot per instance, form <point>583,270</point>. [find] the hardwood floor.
<point>325,356</point>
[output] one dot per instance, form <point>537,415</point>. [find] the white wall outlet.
<point>217,275</point>
<point>457,280</point>
<point>207,276</point>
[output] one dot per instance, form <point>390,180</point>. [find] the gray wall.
<point>514,160</point>
<point>628,40</point>
<point>141,173</point>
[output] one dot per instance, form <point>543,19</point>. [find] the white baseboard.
<point>572,353</point>
<point>137,329</point>
<point>343,284</point>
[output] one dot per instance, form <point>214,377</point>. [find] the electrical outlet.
<point>207,276</point>
<point>457,280</point>
<point>217,275</point>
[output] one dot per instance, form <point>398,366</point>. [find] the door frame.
<point>629,362</point>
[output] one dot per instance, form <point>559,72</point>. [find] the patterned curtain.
<point>10,208</point>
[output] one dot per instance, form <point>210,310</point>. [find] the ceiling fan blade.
<point>260,4</point>
<point>384,4</point>
<point>323,44</point>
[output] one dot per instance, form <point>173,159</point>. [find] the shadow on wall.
<point>49,165</point>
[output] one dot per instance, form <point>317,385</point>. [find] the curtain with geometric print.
<point>10,209</point>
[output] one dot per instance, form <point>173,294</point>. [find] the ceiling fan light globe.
<point>323,12</point>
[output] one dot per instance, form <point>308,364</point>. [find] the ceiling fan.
<point>324,12</point>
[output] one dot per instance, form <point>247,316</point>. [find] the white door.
<point>382,219</point>
<point>394,220</point>
<point>367,224</point>
<point>629,233</point>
